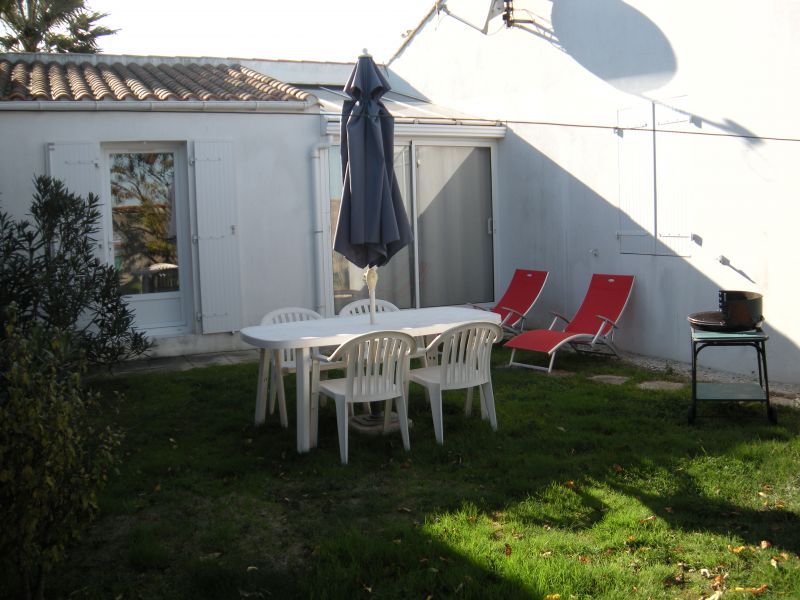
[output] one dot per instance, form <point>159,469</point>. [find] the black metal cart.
<point>751,392</point>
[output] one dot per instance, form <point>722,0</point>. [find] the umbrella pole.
<point>372,280</point>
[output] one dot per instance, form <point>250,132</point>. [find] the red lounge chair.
<point>521,295</point>
<point>593,324</point>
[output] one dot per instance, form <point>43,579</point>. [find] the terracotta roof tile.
<point>18,85</point>
<point>81,89</point>
<point>58,83</point>
<point>99,88</point>
<point>38,83</point>
<point>64,80</point>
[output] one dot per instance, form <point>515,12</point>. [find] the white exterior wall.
<point>734,66</point>
<point>273,181</point>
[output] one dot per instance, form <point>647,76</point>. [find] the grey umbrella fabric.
<point>373,225</point>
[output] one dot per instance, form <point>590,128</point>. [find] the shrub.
<point>61,309</point>
<point>50,270</point>
<point>53,461</point>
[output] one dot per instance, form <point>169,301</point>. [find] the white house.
<point>220,179</point>
<point>660,139</point>
<point>655,139</point>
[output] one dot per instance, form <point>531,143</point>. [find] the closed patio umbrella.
<point>373,225</point>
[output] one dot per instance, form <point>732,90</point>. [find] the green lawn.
<point>587,490</point>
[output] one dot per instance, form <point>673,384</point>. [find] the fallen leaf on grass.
<point>507,550</point>
<point>719,581</point>
<point>765,544</point>
<point>675,580</point>
<point>773,562</point>
<point>618,468</point>
<point>759,590</point>
<point>561,429</point>
<point>706,573</point>
<point>714,596</point>
<point>762,494</point>
<point>570,484</point>
<point>546,554</point>
<point>552,597</point>
<point>737,549</point>
<point>648,519</point>
<point>210,556</point>
<point>403,509</point>
<point>668,509</point>
<point>584,559</point>
<point>250,569</point>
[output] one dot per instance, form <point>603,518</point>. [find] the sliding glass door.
<point>447,191</point>
<point>454,225</point>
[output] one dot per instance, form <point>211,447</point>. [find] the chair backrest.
<point>521,294</point>
<point>361,307</point>
<point>377,363</point>
<point>607,296</point>
<point>466,354</point>
<point>290,314</point>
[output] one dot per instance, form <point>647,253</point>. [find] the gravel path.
<point>785,394</point>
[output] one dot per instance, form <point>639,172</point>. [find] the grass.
<point>587,490</point>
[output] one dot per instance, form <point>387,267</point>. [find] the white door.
<point>148,220</point>
<point>454,225</point>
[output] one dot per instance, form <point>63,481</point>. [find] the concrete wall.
<point>274,191</point>
<point>732,71</point>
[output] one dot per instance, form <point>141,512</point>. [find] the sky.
<point>320,30</point>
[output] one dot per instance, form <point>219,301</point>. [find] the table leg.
<point>693,407</point>
<point>277,388</point>
<point>772,414</point>
<point>263,384</point>
<point>302,357</point>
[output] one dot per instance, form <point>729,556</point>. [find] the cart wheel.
<point>692,413</point>
<point>772,415</point>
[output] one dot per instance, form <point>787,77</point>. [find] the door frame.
<point>183,225</point>
<point>406,136</point>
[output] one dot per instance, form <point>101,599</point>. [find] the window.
<point>143,220</point>
<point>654,161</point>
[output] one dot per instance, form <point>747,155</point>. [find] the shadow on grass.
<point>206,506</point>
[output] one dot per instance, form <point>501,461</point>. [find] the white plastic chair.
<point>361,307</point>
<point>464,362</point>
<point>377,364</point>
<point>282,361</point>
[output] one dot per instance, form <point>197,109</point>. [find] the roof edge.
<point>434,10</point>
<point>94,58</point>
<point>225,106</point>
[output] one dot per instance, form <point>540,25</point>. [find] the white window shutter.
<point>78,166</point>
<point>636,181</point>
<point>217,237</point>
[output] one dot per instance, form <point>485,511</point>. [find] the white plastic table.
<point>302,336</point>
